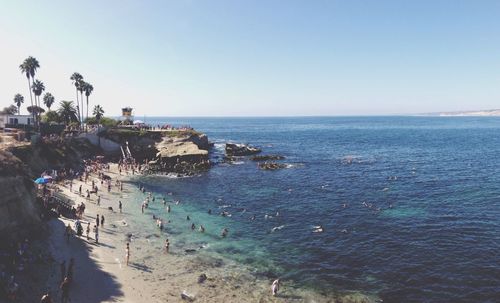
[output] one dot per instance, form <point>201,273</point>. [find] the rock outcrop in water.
<point>183,154</point>
<point>233,149</point>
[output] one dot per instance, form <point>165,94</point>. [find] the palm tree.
<point>18,100</point>
<point>48,100</point>
<point>38,88</point>
<point>98,113</point>
<point>67,112</point>
<point>81,89</point>
<point>77,80</point>
<point>88,88</point>
<point>29,67</point>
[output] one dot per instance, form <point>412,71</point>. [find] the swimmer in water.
<point>224,232</point>
<point>318,229</point>
<point>209,211</point>
<point>187,218</point>
<point>202,229</point>
<point>252,218</point>
<point>193,227</point>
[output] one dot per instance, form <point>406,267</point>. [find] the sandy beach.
<point>101,275</point>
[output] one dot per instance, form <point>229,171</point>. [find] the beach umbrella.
<point>41,181</point>
<point>138,122</point>
<point>48,178</point>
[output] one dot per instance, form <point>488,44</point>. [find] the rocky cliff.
<point>17,199</point>
<point>20,165</point>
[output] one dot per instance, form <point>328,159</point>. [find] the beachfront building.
<point>15,120</point>
<point>127,117</point>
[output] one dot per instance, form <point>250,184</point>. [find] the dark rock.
<point>241,150</point>
<point>271,166</point>
<point>267,157</point>
<point>202,278</point>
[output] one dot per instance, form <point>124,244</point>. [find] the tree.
<point>81,88</point>
<point>9,110</point>
<point>48,100</point>
<point>88,88</point>
<point>29,67</point>
<point>98,112</point>
<point>51,117</point>
<point>67,112</point>
<point>18,100</point>
<point>35,110</point>
<point>77,80</point>
<point>38,88</point>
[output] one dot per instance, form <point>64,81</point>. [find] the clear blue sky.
<point>219,58</point>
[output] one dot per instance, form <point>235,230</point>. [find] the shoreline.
<point>152,275</point>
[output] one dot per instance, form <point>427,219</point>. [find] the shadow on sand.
<point>90,282</point>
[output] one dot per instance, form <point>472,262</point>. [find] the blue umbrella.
<point>41,181</point>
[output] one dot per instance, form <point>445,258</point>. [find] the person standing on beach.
<point>167,245</point>
<point>64,290</point>
<point>120,206</point>
<point>97,220</point>
<point>99,200</point>
<point>127,253</point>
<point>275,287</point>
<point>96,233</point>
<point>102,221</point>
<point>80,190</point>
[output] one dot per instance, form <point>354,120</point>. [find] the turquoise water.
<point>422,204</point>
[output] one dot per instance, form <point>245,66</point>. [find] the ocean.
<point>410,206</point>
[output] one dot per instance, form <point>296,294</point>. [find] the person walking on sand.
<point>99,200</point>
<point>275,287</point>
<point>65,290</point>
<point>88,231</point>
<point>80,190</point>
<point>46,298</point>
<point>70,269</point>
<point>96,234</point>
<point>102,220</point>
<point>120,206</point>
<point>97,220</point>
<point>127,253</point>
<point>67,232</point>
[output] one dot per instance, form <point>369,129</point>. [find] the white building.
<point>15,120</point>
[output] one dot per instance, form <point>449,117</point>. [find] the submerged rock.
<point>233,149</point>
<point>267,157</point>
<point>271,166</point>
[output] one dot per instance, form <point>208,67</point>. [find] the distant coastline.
<point>477,113</point>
